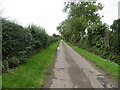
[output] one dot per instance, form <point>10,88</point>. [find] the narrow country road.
<point>73,71</point>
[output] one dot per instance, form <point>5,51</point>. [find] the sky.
<point>48,13</point>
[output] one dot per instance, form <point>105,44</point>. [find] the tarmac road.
<point>72,71</point>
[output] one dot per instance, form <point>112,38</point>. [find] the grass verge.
<point>33,73</point>
<point>110,67</point>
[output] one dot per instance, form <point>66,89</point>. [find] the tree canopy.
<point>84,28</point>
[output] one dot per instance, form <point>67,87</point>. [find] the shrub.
<point>19,42</point>
<point>13,62</point>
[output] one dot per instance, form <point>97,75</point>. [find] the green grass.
<point>33,73</point>
<point>0,81</point>
<point>110,67</point>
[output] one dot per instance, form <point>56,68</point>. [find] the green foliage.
<point>84,28</point>
<point>18,42</point>
<point>116,35</point>
<point>39,37</point>
<point>13,62</point>
<point>32,74</point>
<point>80,16</point>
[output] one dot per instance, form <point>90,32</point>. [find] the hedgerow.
<point>18,42</point>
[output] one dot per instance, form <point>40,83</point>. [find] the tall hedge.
<point>18,42</point>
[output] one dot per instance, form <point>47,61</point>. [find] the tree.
<point>116,35</point>
<point>84,28</point>
<point>80,16</point>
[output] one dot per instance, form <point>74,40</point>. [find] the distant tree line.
<point>84,28</point>
<point>19,43</point>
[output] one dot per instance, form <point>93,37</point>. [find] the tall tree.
<point>116,35</point>
<point>80,16</point>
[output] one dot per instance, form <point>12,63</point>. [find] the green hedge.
<point>19,42</point>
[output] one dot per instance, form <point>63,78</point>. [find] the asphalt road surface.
<point>72,71</point>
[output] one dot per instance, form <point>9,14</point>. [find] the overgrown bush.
<point>18,42</point>
<point>13,62</point>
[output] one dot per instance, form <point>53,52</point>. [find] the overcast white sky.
<point>48,13</point>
